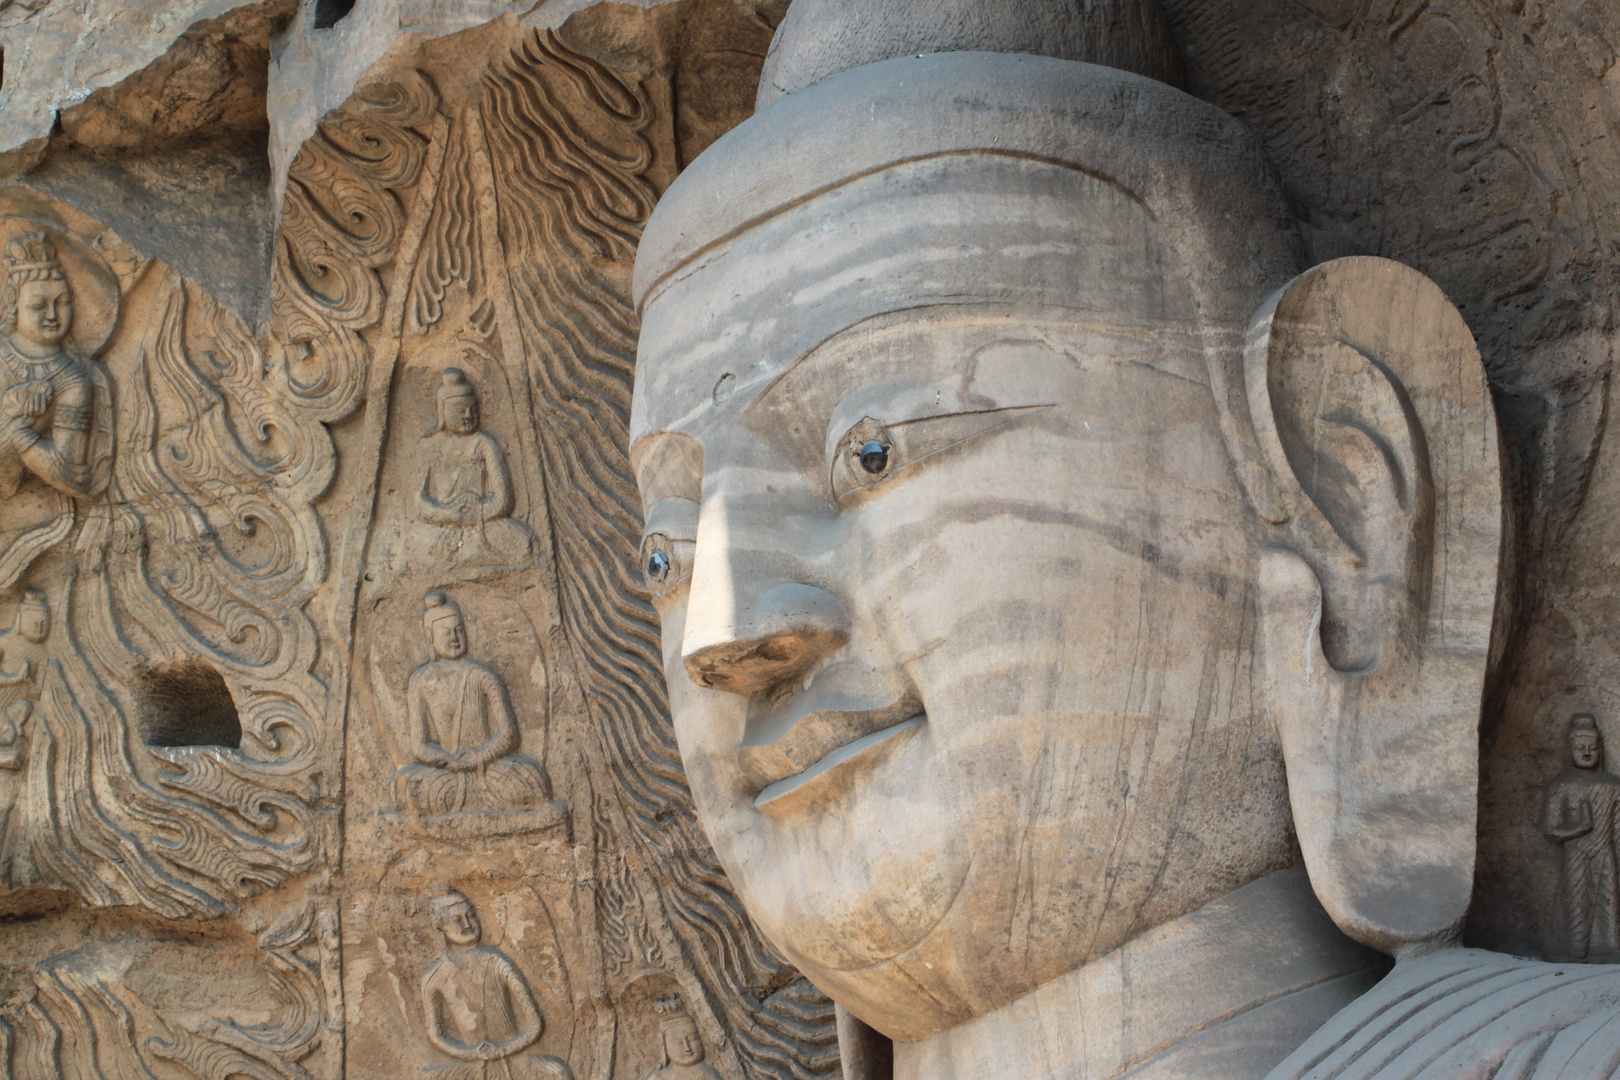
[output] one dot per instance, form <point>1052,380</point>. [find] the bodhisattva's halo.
<point>95,286</point>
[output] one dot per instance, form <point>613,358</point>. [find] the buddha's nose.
<point>789,627</point>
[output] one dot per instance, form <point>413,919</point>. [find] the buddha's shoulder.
<point>1472,1013</point>
<point>1579,780</point>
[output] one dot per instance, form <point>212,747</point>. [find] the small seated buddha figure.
<point>464,487</point>
<point>463,733</point>
<point>478,1006</point>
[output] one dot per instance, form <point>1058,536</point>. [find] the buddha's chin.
<point>863,875</point>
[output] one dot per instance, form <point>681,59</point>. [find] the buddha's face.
<point>460,414</point>
<point>683,1045</point>
<point>1585,749</point>
<point>44,314</point>
<point>458,922</point>
<point>449,638</point>
<point>34,623</point>
<point>956,610</point>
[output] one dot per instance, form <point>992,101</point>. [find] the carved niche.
<point>334,614</point>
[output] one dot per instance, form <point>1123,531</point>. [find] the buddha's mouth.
<point>788,791</point>
<point>795,740</point>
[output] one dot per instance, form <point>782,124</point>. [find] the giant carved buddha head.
<point>1040,555</point>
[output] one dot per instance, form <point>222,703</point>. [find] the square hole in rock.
<point>187,705</point>
<point>328,13</point>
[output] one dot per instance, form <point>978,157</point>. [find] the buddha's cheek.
<point>868,868</point>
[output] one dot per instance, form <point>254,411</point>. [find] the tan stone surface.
<point>332,734</point>
<point>313,679</point>
<point>166,142</point>
<point>1199,996</point>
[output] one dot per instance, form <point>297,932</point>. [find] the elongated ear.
<point>1370,405</point>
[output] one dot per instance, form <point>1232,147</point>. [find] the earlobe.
<point>1370,406</point>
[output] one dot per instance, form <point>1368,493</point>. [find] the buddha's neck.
<point>1226,991</point>
<point>34,354</point>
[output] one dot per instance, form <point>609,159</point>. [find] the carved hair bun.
<point>671,1012</point>
<point>455,384</point>
<point>437,605</point>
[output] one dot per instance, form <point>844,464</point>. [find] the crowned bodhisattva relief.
<point>682,1043</point>
<point>56,419</point>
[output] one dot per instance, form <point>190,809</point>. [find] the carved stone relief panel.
<point>322,658</point>
<point>508,721</point>
<point>169,739</point>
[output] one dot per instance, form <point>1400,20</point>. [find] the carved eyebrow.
<point>926,436</point>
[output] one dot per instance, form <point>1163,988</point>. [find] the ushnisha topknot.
<point>454,384</point>
<point>1154,144</point>
<point>819,38</point>
<point>671,1012</point>
<point>444,898</point>
<point>438,606</point>
<point>35,598</point>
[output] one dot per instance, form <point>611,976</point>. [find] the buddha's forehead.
<point>927,245</point>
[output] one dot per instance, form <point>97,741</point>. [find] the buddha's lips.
<point>777,793</point>
<point>802,731</point>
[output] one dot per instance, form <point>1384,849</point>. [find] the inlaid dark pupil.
<point>658,566</point>
<point>874,456</point>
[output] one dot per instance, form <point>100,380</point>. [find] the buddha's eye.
<point>866,456</point>
<point>666,550</point>
<point>660,565</point>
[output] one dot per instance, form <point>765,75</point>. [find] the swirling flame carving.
<point>207,551</point>
<point>566,136</point>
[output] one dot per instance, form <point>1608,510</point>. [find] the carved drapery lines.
<point>574,197</point>
<point>106,1023</point>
